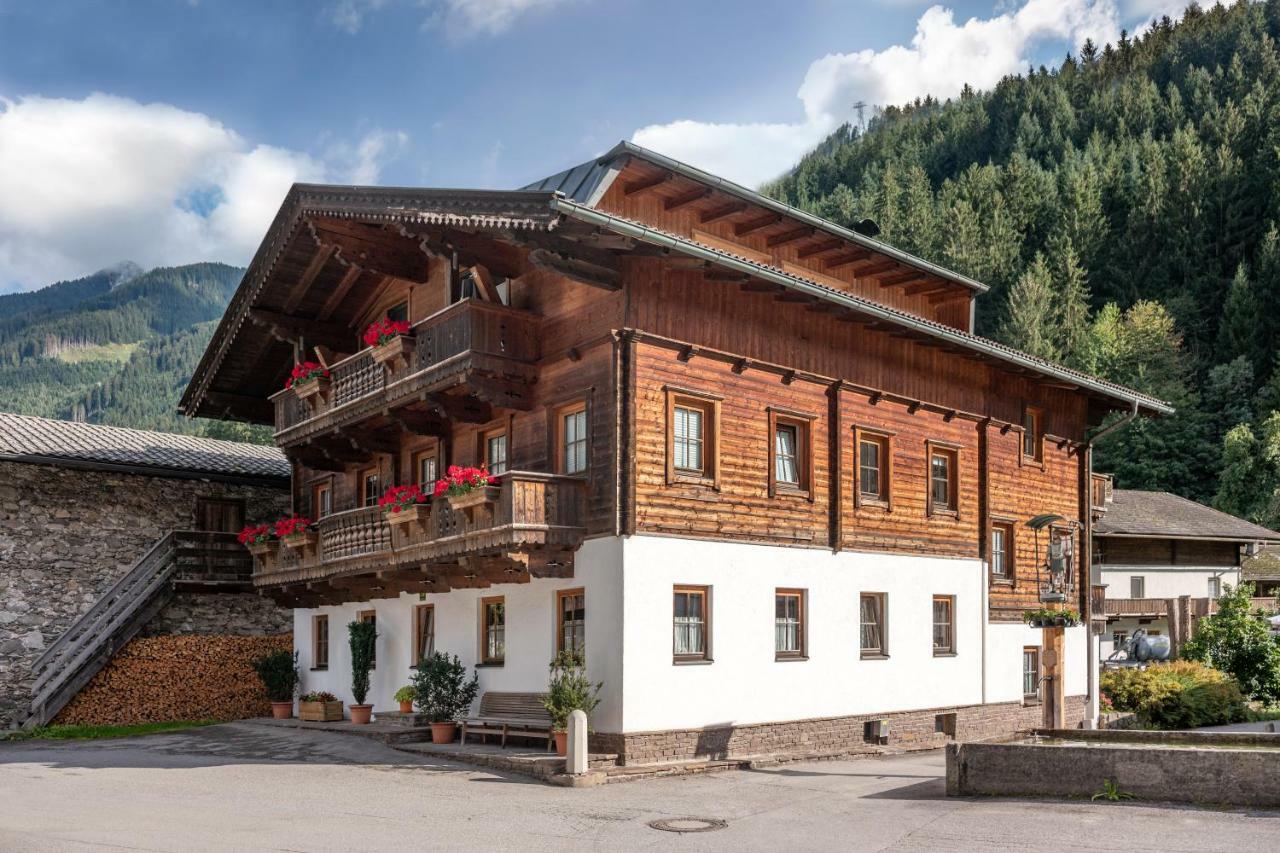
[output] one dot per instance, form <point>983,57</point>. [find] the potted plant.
<point>362,637</point>
<point>261,541</point>
<point>443,693</point>
<point>278,672</point>
<point>568,690</point>
<point>1046,618</point>
<point>405,697</point>
<point>319,706</point>
<point>467,488</point>
<point>390,340</point>
<point>309,380</point>
<point>295,533</point>
<point>404,506</point>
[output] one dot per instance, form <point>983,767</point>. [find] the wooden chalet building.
<point>756,464</point>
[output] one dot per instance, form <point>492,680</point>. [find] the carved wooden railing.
<point>469,326</point>
<point>1137,607</point>
<point>353,533</point>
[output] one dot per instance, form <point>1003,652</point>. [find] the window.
<point>790,452</point>
<point>571,610</point>
<point>690,623</point>
<point>943,491</point>
<point>1002,551</point>
<point>222,515</point>
<point>369,493</point>
<point>944,628</point>
<point>399,312</point>
<point>1118,637</point>
<point>788,623</point>
<point>424,631</point>
<point>571,438</point>
<point>319,642</point>
<point>493,631</point>
<point>495,451</point>
<point>692,453</point>
<point>371,616</point>
<point>1033,433</point>
<point>321,499</point>
<point>1031,672</point>
<point>871,611</point>
<point>1137,587</point>
<point>1215,587</point>
<point>426,468</point>
<point>872,470</point>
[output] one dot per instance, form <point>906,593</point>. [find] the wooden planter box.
<point>320,712</point>
<point>265,552</point>
<point>469,502</point>
<point>408,522</point>
<point>1057,622</point>
<point>314,391</point>
<point>304,542</point>
<point>394,353</point>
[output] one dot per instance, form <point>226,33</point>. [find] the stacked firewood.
<point>165,678</point>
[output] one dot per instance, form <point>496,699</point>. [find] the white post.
<point>575,762</point>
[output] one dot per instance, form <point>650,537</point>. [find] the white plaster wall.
<point>530,635</point>
<point>1167,582</point>
<point>1005,642</point>
<point>744,683</point>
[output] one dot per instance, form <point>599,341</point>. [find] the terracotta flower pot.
<point>443,732</point>
<point>361,714</point>
<point>562,743</point>
<point>406,707</point>
<point>281,710</point>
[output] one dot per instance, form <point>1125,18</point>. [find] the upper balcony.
<point>529,525</point>
<point>487,349</point>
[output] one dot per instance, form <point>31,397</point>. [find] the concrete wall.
<point>67,534</point>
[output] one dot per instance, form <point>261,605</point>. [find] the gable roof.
<point>24,438</point>
<point>1160,515</point>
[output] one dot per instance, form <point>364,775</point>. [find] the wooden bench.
<point>510,714</point>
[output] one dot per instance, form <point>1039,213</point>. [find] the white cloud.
<point>459,18</point>
<point>86,183</point>
<point>942,57</point>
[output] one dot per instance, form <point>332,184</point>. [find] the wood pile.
<point>165,678</point>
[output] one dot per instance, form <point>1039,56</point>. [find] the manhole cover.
<point>688,824</point>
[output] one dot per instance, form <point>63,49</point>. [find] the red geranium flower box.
<point>309,380</point>
<point>467,488</point>
<point>295,533</point>
<point>390,340</point>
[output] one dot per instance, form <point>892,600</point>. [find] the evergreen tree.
<point>1029,324</point>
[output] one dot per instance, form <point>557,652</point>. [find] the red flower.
<point>254,534</point>
<point>291,525</point>
<point>383,331</point>
<point>459,481</point>
<point>397,498</point>
<point>305,371</point>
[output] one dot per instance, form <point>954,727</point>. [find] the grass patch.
<point>118,353</point>
<point>97,732</point>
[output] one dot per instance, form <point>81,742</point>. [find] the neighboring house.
<point>1153,549</point>
<point>82,507</point>
<point>1262,569</point>
<point>755,465</point>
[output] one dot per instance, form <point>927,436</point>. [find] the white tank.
<point>1151,648</point>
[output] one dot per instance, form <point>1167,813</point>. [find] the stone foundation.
<point>918,729</point>
<point>234,614</point>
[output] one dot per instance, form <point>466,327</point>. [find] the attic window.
<point>399,312</point>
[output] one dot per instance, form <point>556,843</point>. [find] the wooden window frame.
<point>885,439</point>
<point>485,437</point>
<point>561,595</point>
<point>933,448</point>
<point>319,661</point>
<point>950,649</point>
<point>1010,550</point>
<point>709,475</point>
<point>802,612</point>
<point>1031,698</point>
<point>881,653</point>
<point>418,457</point>
<point>317,489</point>
<point>362,478</point>
<point>485,603</point>
<point>558,431</point>
<point>371,616</point>
<point>203,503</point>
<point>1036,414</point>
<point>418,652</point>
<point>803,425</point>
<point>705,655</point>
<point>1142,582</point>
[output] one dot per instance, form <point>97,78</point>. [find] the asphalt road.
<point>242,787</point>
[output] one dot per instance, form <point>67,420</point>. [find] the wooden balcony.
<point>486,350</point>
<point>531,529</point>
<point>1158,607</point>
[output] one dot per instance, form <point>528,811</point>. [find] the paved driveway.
<point>244,787</point>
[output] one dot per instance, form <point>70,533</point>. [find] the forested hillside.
<point>1124,208</point>
<point>116,347</point>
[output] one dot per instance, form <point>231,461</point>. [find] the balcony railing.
<point>490,333</point>
<point>530,512</point>
<point>1155,607</point>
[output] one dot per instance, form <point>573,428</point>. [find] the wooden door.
<point>219,515</point>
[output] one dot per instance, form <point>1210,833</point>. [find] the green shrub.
<point>278,673</point>
<point>362,636</point>
<point>569,689</point>
<point>1177,695</point>
<point>1237,640</point>
<point>441,689</point>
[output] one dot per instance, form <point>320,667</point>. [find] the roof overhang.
<point>1185,537</point>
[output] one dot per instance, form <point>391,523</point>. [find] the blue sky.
<point>166,131</point>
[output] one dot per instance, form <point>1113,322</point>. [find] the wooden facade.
<point>526,306</point>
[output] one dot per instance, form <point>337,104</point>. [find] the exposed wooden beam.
<point>899,278</point>
<point>871,268</point>
<point>790,236</point>
<point>340,292</point>
<point>467,410</point>
<point>847,258</point>
<point>722,211</point>
<point>639,186</point>
<point>820,248</point>
<point>485,285</point>
<point>376,292</point>
<point>420,423</point>
<point>689,197</point>
<point>257,408</point>
<point>577,269</point>
<point>303,284</point>
<point>295,329</point>
<point>926,286</point>
<point>742,229</point>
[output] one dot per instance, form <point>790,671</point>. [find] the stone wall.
<point>829,735</point>
<point>222,614</point>
<point>67,534</point>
